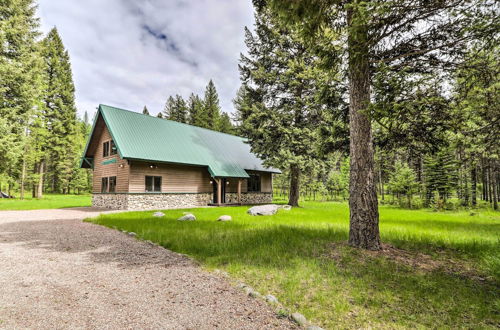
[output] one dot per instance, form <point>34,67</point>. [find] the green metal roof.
<point>143,137</point>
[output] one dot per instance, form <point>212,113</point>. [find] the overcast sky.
<point>131,53</point>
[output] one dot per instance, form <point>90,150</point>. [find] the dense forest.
<point>41,135</point>
<point>430,120</point>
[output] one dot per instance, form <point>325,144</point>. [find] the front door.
<point>223,191</point>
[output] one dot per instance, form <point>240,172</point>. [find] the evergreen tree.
<point>225,125</point>
<point>402,181</point>
<point>181,110</point>
<point>145,111</point>
<point>211,107</point>
<point>176,109</point>
<point>20,69</point>
<point>60,112</point>
<point>159,115</point>
<point>85,118</point>
<point>279,106</point>
<point>197,114</point>
<point>414,35</point>
<point>169,109</point>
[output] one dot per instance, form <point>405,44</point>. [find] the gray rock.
<point>158,214</point>
<point>132,234</point>
<point>314,327</point>
<point>299,319</point>
<point>268,209</point>
<point>286,207</point>
<point>225,218</point>
<point>271,299</point>
<point>187,217</point>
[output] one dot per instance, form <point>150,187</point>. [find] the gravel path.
<point>62,274</point>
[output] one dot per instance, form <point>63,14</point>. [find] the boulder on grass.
<point>269,209</point>
<point>225,218</point>
<point>299,319</point>
<point>187,217</point>
<point>158,214</point>
<point>286,207</point>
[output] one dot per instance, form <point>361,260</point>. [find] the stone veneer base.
<point>124,201</point>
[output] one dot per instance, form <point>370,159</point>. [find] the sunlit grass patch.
<point>441,269</point>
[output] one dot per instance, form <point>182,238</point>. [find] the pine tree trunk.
<point>485,184</point>
<point>23,178</point>
<point>293,198</point>
<point>494,185</point>
<point>363,206</point>
<point>39,186</point>
<point>474,185</point>
<point>488,183</point>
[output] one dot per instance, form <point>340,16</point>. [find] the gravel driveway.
<point>61,274</point>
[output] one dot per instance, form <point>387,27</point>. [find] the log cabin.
<point>141,162</point>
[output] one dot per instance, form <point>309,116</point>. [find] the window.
<point>105,149</point>
<point>112,184</point>
<point>153,183</point>
<point>104,185</point>
<point>254,183</point>
<point>113,149</point>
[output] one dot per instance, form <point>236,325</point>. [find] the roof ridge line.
<point>173,121</point>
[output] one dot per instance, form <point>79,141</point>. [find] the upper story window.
<point>105,149</point>
<point>153,183</point>
<point>112,150</point>
<point>109,148</point>
<point>254,183</point>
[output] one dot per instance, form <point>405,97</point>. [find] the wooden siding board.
<point>175,178</point>
<point>114,169</point>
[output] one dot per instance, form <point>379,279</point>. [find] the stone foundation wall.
<point>250,198</point>
<point>167,201</point>
<point>110,201</point>
<point>150,201</point>
<point>171,201</point>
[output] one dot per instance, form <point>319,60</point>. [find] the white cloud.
<point>131,53</point>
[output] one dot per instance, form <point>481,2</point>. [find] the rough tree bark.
<point>494,185</point>
<point>363,205</point>
<point>39,186</point>
<point>474,185</point>
<point>293,197</point>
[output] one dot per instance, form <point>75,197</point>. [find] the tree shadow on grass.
<point>389,290</point>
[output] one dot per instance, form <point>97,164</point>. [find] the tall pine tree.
<point>60,112</point>
<point>211,107</point>
<point>20,69</point>
<point>280,108</point>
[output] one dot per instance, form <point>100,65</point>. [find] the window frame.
<point>254,183</point>
<point>105,149</point>
<point>113,150</point>
<point>104,184</point>
<point>155,186</point>
<point>112,179</point>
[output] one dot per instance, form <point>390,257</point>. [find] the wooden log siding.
<point>175,178</point>
<point>113,169</point>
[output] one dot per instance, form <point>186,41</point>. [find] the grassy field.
<point>49,201</point>
<point>439,270</point>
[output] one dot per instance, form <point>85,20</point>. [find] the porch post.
<point>219,191</point>
<point>239,191</point>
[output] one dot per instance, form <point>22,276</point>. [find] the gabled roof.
<point>148,138</point>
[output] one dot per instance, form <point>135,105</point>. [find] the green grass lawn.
<point>442,270</point>
<point>49,201</point>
